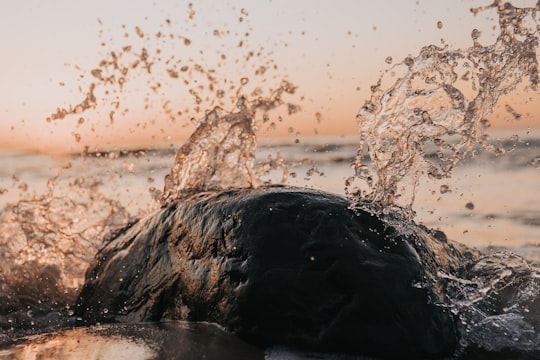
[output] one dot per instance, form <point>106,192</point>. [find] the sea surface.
<point>491,202</point>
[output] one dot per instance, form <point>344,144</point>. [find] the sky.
<point>333,51</point>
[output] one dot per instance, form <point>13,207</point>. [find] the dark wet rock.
<point>281,265</point>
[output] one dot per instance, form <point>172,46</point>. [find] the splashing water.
<point>220,154</point>
<point>438,99</point>
<point>60,228</point>
<point>48,240</point>
<point>165,63</point>
<point>497,302</point>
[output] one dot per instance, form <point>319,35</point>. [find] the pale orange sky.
<point>332,50</point>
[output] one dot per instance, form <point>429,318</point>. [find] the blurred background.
<point>117,74</point>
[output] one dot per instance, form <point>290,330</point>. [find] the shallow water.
<point>172,340</point>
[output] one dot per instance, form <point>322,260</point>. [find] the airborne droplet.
<point>444,189</point>
<point>475,34</point>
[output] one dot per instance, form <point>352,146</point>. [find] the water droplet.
<point>388,60</point>
<point>244,80</point>
<point>475,34</point>
<point>409,61</point>
<point>444,189</point>
<point>439,24</point>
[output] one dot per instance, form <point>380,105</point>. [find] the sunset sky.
<point>332,50</point>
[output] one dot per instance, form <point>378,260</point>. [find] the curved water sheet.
<point>172,340</point>
<point>437,102</point>
<point>220,154</point>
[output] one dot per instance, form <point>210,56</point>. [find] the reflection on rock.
<point>281,265</point>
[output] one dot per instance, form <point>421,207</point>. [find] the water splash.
<point>141,75</point>
<point>496,300</point>
<point>47,243</point>
<point>220,154</point>
<point>48,240</point>
<point>438,100</point>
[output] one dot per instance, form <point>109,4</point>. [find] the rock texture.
<point>281,265</point>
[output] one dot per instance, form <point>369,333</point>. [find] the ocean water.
<point>423,151</point>
<point>490,202</point>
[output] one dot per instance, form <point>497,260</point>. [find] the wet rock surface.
<point>281,265</point>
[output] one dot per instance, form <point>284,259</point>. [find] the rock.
<point>281,265</point>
